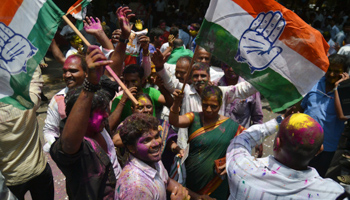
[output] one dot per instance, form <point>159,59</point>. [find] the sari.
<point>205,148</point>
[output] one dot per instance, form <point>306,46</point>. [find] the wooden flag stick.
<point>74,8</point>
<point>109,69</point>
<point>190,68</point>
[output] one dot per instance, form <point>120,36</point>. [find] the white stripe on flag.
<point>26,16</point>
<point>227,18</point>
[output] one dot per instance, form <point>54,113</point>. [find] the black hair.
<point>200,66</point>
<point>338,59</point>
<point>155,32</point>
<point>134,68</point>
<point>70,36</point>
<point>178,43</point>
<point>210,91</point>
<point>174,31</point>
<point>100,99</point>
<point>135,125</point>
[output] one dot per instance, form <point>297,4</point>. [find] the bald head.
<point>298,140</point>
<point>203,56</point>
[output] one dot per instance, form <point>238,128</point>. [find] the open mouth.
<point>155,151</point>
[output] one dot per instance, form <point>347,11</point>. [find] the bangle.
<point>147,54</point>
<point>336,88</point>
<point>87,86</point>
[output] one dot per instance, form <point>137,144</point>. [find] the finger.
<point>223,173</point>
<point>174,192</point>
<point>131,15</point>
<point>275,33</point>
<point>264,22</point>
<point>257,21</point>
<point>272,24</point>
<point>98,20</point>
<point>92,20</point>
<point>5,32</point>
<point>88,20</point>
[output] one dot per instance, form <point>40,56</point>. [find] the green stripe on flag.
<point>280,93</point>
<point>40,36</point>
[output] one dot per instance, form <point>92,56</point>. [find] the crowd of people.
<point>189,105</point>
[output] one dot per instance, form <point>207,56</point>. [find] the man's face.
<point>73,73</point>
<point>98,120</point>
<point>193,31</point>
<point>148,147</point>
<point>334,73</point>
<point>145,106</point>
<point>132,80</point>
<point>200,79</point>
<point>229,73</point>
<point>181,70</point>
<point>76,42</point>
<point>203,56</point>
<point>158,41</point>
<point>210,107</point>
<point>162,26</point>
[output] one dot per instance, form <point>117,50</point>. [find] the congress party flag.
<point>268,45</point>
<point>27,28</point>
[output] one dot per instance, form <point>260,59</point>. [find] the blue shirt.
<point>320,106</point>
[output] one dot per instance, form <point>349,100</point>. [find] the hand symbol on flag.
<point>256,46</point>
<point>15,50</point>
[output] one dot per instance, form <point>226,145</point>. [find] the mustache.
<point>197,83</point>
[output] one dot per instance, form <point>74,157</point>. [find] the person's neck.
<point>295,164</point>
<point>211,120</point>
<point>231,81</point>
<point>329,87</point>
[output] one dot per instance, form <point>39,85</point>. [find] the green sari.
<point>205,148</point>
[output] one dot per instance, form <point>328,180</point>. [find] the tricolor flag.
<point>268,45</point>
<point>27,28</point>
<point>78,11</point>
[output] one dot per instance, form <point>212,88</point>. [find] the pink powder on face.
<point>96,120</point>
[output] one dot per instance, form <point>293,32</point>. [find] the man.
<point>156,39</point>
<point>286,174</point>
<point>178,51</point>
<point>22,161</point>
<point>162,25</point>
<point>76,44</point>
<point>193,30</point>
<point>341,36</point>
<point>144,176</point>
<point>205,57</point>
<point>182,66</point>
<point>245,112</point>
<point>192,101</point>
<point>74,73</point>
<point>182,34</point>
<point>345,50</point>
<point>84,151</point>
<point>174,31</point>
<point>319,103</point>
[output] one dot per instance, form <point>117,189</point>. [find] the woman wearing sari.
<point>209,136</point>
<point>168,135</point>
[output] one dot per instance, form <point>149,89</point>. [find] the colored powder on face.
<point>96,120</point>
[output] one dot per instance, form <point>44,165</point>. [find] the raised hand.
<point>144,41</point>
<point>257,44</point>
<point>171,39</point>
<point>178,95</point>
<point>116,35</point>
<point>159,59</point>
<point>123,18</point>
<point>15,50</point>
<point>344,76</point>
<point>91,26</point>
<point>96,61</point>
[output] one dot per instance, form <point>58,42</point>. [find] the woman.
<point>168,135</point>
<point>209,137</point>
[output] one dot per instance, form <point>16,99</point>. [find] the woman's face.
<point>210,107</point>
<point>145,106</point>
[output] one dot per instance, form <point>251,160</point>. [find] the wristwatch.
<point>125,41</point>
<point>279,119</point>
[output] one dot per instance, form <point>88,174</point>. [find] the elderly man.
<point>286,174</point>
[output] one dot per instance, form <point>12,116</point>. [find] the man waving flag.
<point>268,45</point>
<point>27,28</point>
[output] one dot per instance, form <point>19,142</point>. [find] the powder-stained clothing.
<point>192,101</point>
<point>266,178</point>
<point>21,154</point>
<point>90,173</point>
<point>56,111</point>
<point>243,111</point>
<point>140,181</point>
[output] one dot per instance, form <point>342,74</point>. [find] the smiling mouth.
<point>155,151</point>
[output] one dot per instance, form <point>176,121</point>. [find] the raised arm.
<point>182,121</point>
<point>118,55</point>
<point>166,98</point>
<point>337,104</point>
<point>94,27</point>
<point>146,60</point>
<point>241,91</point>
<point>78,119</point>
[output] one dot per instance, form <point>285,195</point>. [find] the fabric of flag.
<point>268,45</point>
<point>27,28</point>
<point>79,12</point>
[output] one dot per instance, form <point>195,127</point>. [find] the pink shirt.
<point>140,181</point>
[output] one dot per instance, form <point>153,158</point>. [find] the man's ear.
<point>131,148</point>
<point>277,144</point>
<point>320,150</point>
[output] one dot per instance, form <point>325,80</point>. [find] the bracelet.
<point>87,86</point>
<point>334,89</point>
<point>147,54</point>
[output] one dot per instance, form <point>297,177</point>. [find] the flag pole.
<point>109,69</point>
<point>190,68</point>
<point>73,8</point>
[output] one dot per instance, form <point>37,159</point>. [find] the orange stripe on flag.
<point>76,10</point>
<point>297,34</point>
<point>8,10</point>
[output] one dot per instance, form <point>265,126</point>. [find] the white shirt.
<point>192,101</point>
<point>216,73</point>
<point>165,46</point>
<point>266,178</point>
<point>345,50</point>
<point>71,51</point>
